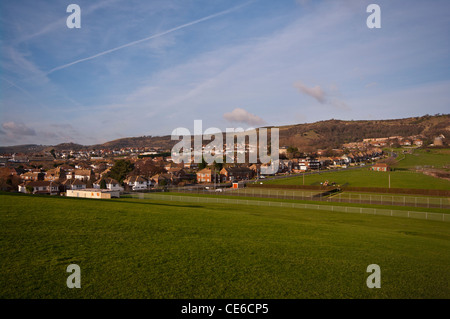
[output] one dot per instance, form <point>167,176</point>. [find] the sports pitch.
<point>131,248</point>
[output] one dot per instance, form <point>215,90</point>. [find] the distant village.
<point>68,171</point>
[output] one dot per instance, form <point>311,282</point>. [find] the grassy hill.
<point>157,249</point>
<point>419,158</point>
<point>334,133</point>
<point>365,178</point>
<point>306,137</point>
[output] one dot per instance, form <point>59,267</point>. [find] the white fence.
<point>342,197</point>
<point>344,209</point>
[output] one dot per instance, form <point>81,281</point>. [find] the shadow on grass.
<point>116,201</point>
<point>136,201</point>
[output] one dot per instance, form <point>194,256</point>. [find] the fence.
<point>319,195</point>
<point>344,209</point>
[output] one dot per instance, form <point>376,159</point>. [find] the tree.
<point>120,170</point>
<point>203,164</point>
<point>292,152</point>
<point>103,184</point>
<point>218,166</point>
<point>162,182</point>
<point>147,168</point>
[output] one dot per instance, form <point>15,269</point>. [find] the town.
<point>99,173</point>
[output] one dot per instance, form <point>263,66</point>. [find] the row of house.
<point>56,187</point>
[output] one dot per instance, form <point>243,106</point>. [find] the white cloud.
<point>322,96</point>
<point>315,92</point>
<point>18,129</point>
<point>242,116</point>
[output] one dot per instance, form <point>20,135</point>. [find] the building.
<point>111,184</point>
<point>207,175</point>
<point>83,174</point>
<point>72,184</point>
<point>381,167</point>
<point>32,176</point>
<point>93,193</point>
<point>236,173</point>
<point>161,179</point>
<point>236,184</point>
<point>55,174</point>
<point>137,182</point>
<point>40,187</point>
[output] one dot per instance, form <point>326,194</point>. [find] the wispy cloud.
<point>242,116</point>
<point>56,25</point>
<point>322,96</point>
<point>212,16</point>
<point>315,92</point>
<point>18,129</point>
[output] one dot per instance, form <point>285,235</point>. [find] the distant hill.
<point>307,137</point>
<point>334,133</point>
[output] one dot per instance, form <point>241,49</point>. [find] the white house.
<point>40,187</point>
<point>111,184</point>
<point>74,184</point>
<point>137,183</point>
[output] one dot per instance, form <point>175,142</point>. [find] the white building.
<point>111,184</point>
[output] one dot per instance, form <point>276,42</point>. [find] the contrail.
<point>23,90</point>
<point>149,38</point>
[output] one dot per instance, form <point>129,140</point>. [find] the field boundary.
<point>342,209</point>
<point>411,191</point>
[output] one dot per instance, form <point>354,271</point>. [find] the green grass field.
<point>365,178</point>
<point>130,248</point>
<point>285,197</point>
<point>420,157</point>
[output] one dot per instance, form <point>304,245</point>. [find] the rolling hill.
<point>308,136</point>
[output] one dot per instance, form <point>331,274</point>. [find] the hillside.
<point>307,137</point>
<point>333,133</point>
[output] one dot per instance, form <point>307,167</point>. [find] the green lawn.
<point>366,178</point>
<point>333,200</point>
<point>420,157</point>
<point>129,248</point>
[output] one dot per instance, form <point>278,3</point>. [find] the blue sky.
<point>147,67</point>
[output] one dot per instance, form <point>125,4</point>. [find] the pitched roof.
<point>135,178</point>
<point>84,172</point>
<point>41,183</point>
<point>381,165</point>
<point>108,180</point>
